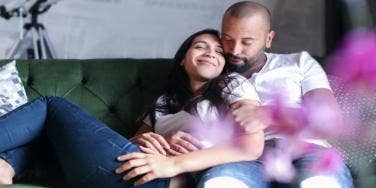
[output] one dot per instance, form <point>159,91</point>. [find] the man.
<point>246,34</point>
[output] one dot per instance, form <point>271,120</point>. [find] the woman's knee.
<point>238,174</point>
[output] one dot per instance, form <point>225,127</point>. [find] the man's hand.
<point>151,143</point>
<point>251,118</point>
<point>182,142</point>
<point>148,166</point>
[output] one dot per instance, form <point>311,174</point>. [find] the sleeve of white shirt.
<point>314,75</point>
<point>239,89</point>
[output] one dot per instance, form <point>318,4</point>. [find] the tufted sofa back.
<point>116,91</point>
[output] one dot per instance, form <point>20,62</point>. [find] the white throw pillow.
<point>12,91</point>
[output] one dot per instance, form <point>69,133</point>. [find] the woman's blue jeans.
<point>85,147</point>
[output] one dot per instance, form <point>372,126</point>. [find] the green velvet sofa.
<point>116,91</point>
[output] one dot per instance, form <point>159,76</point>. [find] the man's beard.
<point>239,68</point>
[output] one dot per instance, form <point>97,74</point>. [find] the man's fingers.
<point>155,144</point>
<point>191,139</point>
<point>188,146</point>
<point>146,143</point>
<point>251,127</point>
<point>151,140</point>
<point>147,150</point>
<point>178,148</point>
<point>236,106</point>
<point>161,140</point>
<point>172,152</point>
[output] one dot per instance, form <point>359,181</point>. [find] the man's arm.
<point>253,119</point>
<point>324,109</point>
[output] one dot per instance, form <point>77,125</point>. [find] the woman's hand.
<point>181,142</point>
<point>149,166</point>
<point>151,143</point>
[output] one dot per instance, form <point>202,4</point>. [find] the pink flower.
<point>278,165</point>
<point>284,119</point>
<point>323,120</point>
<point>355,61</point>
<point>329,161</point>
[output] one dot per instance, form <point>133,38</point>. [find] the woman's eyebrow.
<point>200,41</point>
<point>218,45</point>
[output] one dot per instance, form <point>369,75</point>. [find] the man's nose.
<point>236,49</point>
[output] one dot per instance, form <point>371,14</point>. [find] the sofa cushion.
<point>12,92</point>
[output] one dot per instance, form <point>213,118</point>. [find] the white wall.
<point>155,28</point>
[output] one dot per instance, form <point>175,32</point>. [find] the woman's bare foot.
<point>6,173</point>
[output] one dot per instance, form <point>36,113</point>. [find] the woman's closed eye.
<point>199,46</point>
<point>219,51</point>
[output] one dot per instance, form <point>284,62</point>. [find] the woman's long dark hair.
<point>177,94</point>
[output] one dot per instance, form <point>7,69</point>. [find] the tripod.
<point>34,42</point>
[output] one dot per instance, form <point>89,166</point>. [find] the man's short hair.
<point>245,9</point>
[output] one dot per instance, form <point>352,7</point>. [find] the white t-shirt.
<point>289,76</point>
<point>207,127</point>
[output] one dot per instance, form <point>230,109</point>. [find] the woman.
<point>200,91</point>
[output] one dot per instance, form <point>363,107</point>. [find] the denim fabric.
<point>250,174</point>
<point>339,177</point>
<point>85,147</point>
<point>235,175</point>
<point>17,158</point>
<point>19,128</point>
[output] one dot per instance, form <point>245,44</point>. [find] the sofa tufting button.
<point>83,81</point>
<point>112,109</point>
<point>30,81</point>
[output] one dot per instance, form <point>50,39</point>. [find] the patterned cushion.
<point>12,92</point>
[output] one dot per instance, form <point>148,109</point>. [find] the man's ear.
<point>269,39</point>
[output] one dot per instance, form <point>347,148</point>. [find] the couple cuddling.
<point>218,85</point>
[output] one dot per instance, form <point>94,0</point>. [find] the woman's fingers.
<point>134,160</point>
<point>136,172</point>
<point>135,155</point>
<point>146,178</point>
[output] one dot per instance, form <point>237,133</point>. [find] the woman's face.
<point>204,60</point>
